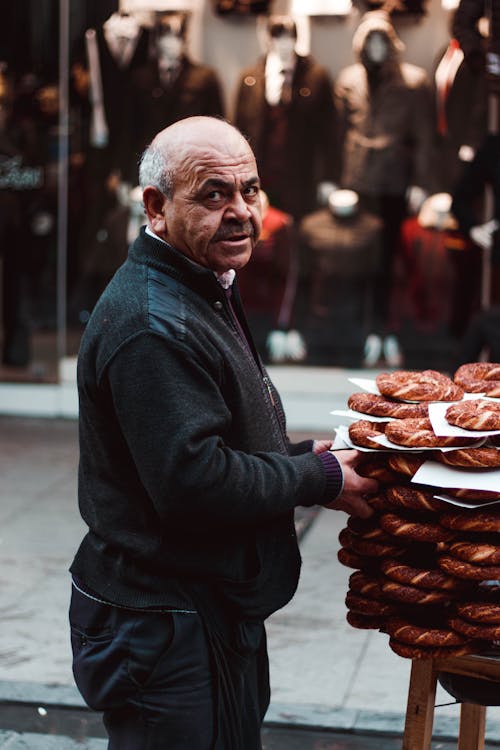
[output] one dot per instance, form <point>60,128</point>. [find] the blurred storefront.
<point>84,84</point>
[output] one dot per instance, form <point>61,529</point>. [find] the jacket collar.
<point>155,252</point>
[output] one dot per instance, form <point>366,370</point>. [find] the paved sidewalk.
<point>324,674</point>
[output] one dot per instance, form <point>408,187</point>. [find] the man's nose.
<point>238,207</point>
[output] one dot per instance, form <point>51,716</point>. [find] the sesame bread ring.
<point>379,502</point>
<point>473,630</point>
<point>406,464</point>
<point>416,635</point>
<point>413,499</point>
<point>431,652</point>
<point>360,546</point>
<point>365,606</point>
<point>482,612</point>
<point>412,594</point>
<point>469,458</point>
<point>352,560</point>
<point>418,433</point>
<point>425,579</point>
<point>479,554</point>
<point>479,377</point>
<point>474,496</point>
<point>489,388</point>
<point>416,531</point>
<point>476,520</point>
<point>468,571</point>
<point>426,385</point>
<point>379,406</point>
<point>366,585</point>
<point>375,467</point>
<point>363,431</point>
<point>477,371</point>
<point>365,622</point>
<point>474,414</point>
<point>368,528</point>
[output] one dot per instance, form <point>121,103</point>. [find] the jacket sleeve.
<point>176,424</point>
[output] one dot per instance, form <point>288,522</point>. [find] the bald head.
<point>183,139</point>
<point>200,189</point>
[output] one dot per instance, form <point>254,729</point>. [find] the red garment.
<point>428,277</point>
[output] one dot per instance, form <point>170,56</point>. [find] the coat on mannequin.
<point>284,105</point>
<point>385,129</point>
<point>384,107</point>
<point>103,77</point>
<point>168,88</point>
<point>458,89</point>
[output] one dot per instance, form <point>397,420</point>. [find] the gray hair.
<point>154,170</point>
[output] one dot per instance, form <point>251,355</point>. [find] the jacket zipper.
<point>267,383</point>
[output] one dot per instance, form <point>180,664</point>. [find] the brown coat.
<point>385,130</point>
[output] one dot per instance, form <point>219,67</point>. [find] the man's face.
<point>214,216</point>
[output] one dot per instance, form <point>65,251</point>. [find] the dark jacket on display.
<point>153,105</point>
<point>460,119</point>
<point>385,120</point>
<point>307,153</point>
<point>185,479</point>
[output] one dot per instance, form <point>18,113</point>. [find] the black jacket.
<point>186,481</point>
<point>308,148</point>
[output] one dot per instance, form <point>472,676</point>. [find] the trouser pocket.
<point>115,651</point>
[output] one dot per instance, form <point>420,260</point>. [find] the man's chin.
<point>234,254</point>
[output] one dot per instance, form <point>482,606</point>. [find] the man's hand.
<point>351,499</point>
<point>320,446</point>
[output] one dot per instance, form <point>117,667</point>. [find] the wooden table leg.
<point>420,706</point>
<point>472,727</point>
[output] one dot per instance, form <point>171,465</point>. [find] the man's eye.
<point>215,195</point>
<point>252,191</point>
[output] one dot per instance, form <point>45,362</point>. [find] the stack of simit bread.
<point>426,571</point>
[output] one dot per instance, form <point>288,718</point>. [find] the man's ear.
<point>154,202</point>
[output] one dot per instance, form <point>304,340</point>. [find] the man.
<point>187,480</point>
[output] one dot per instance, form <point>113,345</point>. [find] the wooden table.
<point>422,694</point>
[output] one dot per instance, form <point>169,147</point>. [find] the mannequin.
<point>103,77</point>
<point>284,105</point>
<point>101,85</point>
<point>385,141</point>
<point>457,89</point>
<point>168,87</point>
<point>151,93</point>
<point>467,206</point>
<point>341,244</point>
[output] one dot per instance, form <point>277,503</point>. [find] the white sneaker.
<point>296,349</point>
<point>372,350</point>
<point>276,346</point>
<point>392,352</point>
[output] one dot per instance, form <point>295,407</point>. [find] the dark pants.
<point>163,682</point>
<point>149,672</point>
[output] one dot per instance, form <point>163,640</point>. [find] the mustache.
<point>232,228</point>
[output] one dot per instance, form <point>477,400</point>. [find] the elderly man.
<point>187,480</point>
